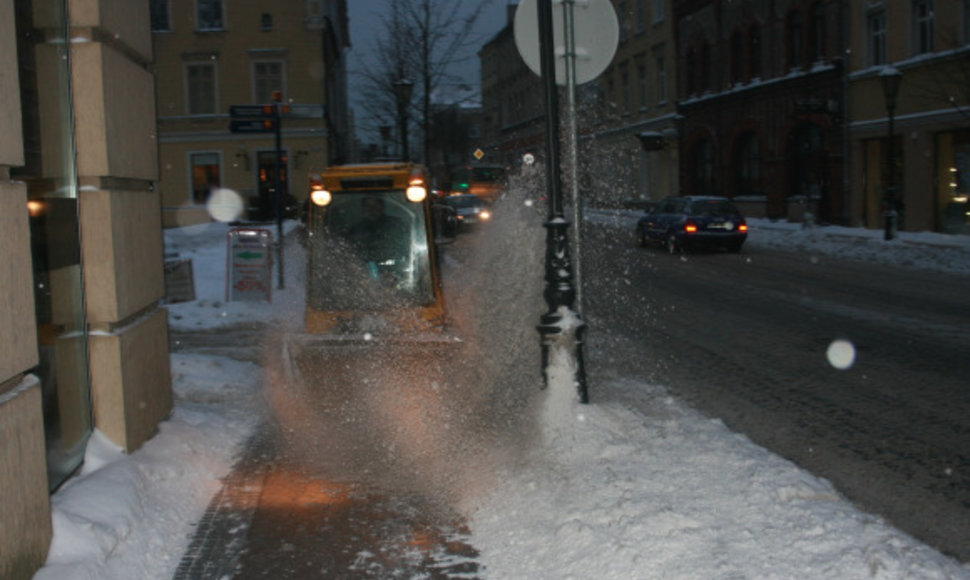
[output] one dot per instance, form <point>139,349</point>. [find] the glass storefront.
<point>953,177</point>
<point>50,174</point>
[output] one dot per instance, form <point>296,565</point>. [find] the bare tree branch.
<point>423,41</point>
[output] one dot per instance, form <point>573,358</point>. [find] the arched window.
<point>817,48</point>
<point>737,58</point>
<point>754,52</point>
<point>706,72</point>
<point>748,167</point>
<point>702,169</point>
<point>807,163</point>
<point>690,67</point>
<point>794,39</point>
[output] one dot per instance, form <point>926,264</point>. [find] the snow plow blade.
<point>357,357</point>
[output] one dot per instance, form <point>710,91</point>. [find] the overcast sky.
<point>365,20</point>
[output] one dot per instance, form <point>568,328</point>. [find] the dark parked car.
<point>471,208</point>
<point>445,222</point>
<point>684,223</point>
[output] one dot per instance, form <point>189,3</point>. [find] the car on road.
<point>471,209</point>
<point>684,223</point>
<point>445,222</point>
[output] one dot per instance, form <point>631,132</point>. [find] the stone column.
<point>25,532</point>
<point>120,215</point>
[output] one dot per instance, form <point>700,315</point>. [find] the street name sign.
<point>252,126</point>
<point>253,111</point>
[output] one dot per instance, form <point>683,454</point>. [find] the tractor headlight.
<point>321,197</point>
<point>416,193</point>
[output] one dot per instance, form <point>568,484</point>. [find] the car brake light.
<point>743,227</point>
<point>690,227</point>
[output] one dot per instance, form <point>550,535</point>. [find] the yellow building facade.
<point>216,57</point>
<point>928,44</point>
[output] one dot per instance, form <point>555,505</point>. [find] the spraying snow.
<point>431,419</point>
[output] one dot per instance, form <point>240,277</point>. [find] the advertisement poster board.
<point>249,264</point>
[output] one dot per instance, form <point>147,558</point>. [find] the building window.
<point>624,18</point>
<point>642,83</point>
<point>966,21</point>
<point>209,14</point>
<point>754,52</point>
<point>690,66</point>
<point>748,180</point>
<point>702,169</point>
<point>161,20</point>
<point>737,58</point>
<point>658,11</point>
<point>641,16</point>
<point>201,88</point>
<point>314,10</point>
<point>923,26</point>
<point>267,79</point>
<point>661,76</point>
<point>51,217</point>
<point>794,39</point>
<point>954,195</point>
<point>205,175</point>
<point>706,72</point>
<point>876,25</point>
<point>266,22</point>
<point>818,33</point>
<point>625,87</point>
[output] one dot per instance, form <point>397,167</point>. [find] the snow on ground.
<point>126,517</point>
<point>611,492</point>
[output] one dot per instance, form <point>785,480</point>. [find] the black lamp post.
<point>561,324</point>
<point>890,78</point>
<point>402,90</point>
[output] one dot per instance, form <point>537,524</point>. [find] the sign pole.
<point>278,187</point>
<point>569,34</point>
<point>595,35</point>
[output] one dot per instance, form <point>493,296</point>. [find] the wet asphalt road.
<point>744,338</point>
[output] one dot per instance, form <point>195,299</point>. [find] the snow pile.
<point>617,493</point>
<point>132,516</point>
<point>917,250</point>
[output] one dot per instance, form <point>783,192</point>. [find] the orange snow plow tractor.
<point>372,267</point>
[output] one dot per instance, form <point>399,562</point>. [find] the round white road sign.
<point>596,33</point>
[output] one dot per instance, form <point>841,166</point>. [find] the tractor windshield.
<point>371,253</point>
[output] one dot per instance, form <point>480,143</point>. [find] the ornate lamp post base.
<point>565,330</point>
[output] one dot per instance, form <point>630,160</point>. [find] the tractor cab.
<point>372,263</point>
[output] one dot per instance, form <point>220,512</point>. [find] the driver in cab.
<point>380,238</point>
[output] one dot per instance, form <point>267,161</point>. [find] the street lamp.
<point>561,324</point>
<point>402,90</point>
<point>890,78</point>
<point>385,137</point>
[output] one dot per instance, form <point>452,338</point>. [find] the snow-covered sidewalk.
<point>607,492</point>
